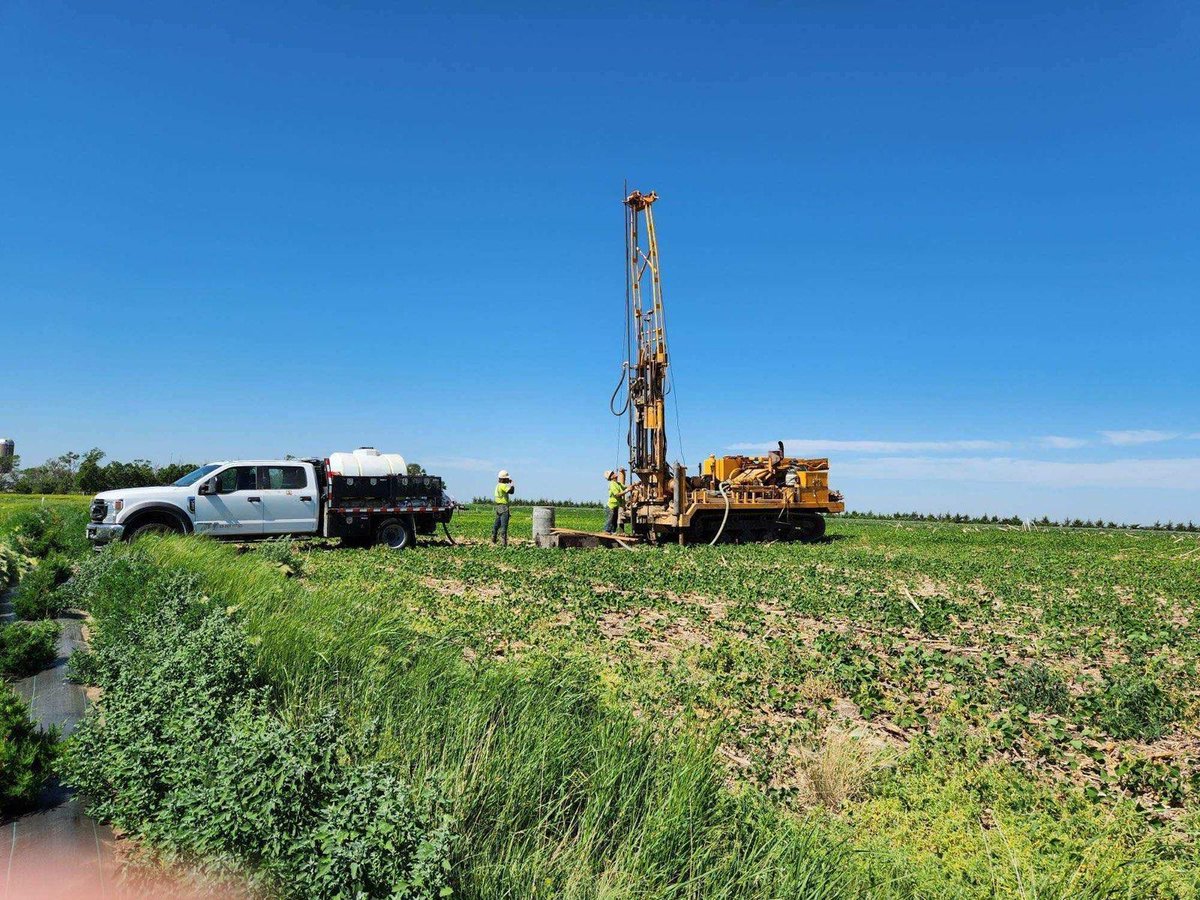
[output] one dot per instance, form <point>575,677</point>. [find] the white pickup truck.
<point>362,497</point>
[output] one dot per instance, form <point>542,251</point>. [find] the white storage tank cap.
<point>367,461</point>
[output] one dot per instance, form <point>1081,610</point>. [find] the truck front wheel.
<point>394,534</point>
<point>153,526</point>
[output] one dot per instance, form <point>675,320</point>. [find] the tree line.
<point>87,473</point>
<point>1043,522</point>
<point>540,501</point>
<point>954,518</point>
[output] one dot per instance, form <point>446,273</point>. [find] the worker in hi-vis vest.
<point>504,490</point>
<point>616,499</point>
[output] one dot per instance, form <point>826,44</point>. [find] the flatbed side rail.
<point>406,508</point>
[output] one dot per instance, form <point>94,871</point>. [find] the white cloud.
<point>1167,473</point>
<point>811,447</point>
<point>1058,442</point>
<point>1136,436</point>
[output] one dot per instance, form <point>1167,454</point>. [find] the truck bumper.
<point>100,533</point>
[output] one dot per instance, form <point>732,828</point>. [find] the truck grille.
<point>99,510</point>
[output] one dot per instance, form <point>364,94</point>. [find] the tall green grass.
<point>552,791</point>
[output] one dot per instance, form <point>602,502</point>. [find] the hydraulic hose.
<point>449,537</point>
<point>725,518</point>
<point>612,401</point>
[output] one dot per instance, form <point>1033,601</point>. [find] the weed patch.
<point>1133,705</point>
<point>12,565</point>
<point>185,751</point>
<point>1037,687</point>
<point>27,647</point>
<point>26,755</point>
<point>38,595</point>
<point>39,531</point>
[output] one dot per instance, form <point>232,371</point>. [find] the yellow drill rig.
<point>733,498</point>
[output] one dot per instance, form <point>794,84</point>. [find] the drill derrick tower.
<point>648,375</point>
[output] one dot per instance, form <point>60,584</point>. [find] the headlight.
<point>118,505</point>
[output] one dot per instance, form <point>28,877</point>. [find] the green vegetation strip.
<point>501,782</point>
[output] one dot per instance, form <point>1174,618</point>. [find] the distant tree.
<point>89,479</point>
<point>172,472</point>
<point>416,469</point>
<point>135,473</point>
<point>54,476</point>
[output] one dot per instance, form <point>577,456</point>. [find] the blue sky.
<point>951,246</point>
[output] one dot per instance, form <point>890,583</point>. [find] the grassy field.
<point>970,706</point>
<point>905,710</point>
<point>10,504</point>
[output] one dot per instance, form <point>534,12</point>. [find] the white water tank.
<point>367,461</point>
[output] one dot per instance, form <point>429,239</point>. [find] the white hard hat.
<point>609,474</point>
<point>503,473</point>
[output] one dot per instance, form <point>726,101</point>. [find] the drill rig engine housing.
<point>733,498</point>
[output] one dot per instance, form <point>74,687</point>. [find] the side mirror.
<point>207,487</point>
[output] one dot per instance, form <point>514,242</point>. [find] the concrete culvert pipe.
<point>543,524</point>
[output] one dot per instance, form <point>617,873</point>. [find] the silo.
<point>8,447</point>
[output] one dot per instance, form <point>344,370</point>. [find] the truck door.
<point>289,499</point>
<point>236,509</point>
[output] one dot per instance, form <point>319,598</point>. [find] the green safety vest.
<point>615,490</point>
<point>502,492</point>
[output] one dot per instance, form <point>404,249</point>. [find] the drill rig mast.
<point>648,375</point>
<point>734,498</point>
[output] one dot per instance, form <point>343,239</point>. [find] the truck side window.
<point>237,478</point>
<point>284,478</point>
<point>227,481</point>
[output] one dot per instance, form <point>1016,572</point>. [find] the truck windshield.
<point>195,475</point>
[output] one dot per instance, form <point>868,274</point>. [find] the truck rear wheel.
<point>394,534</point>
